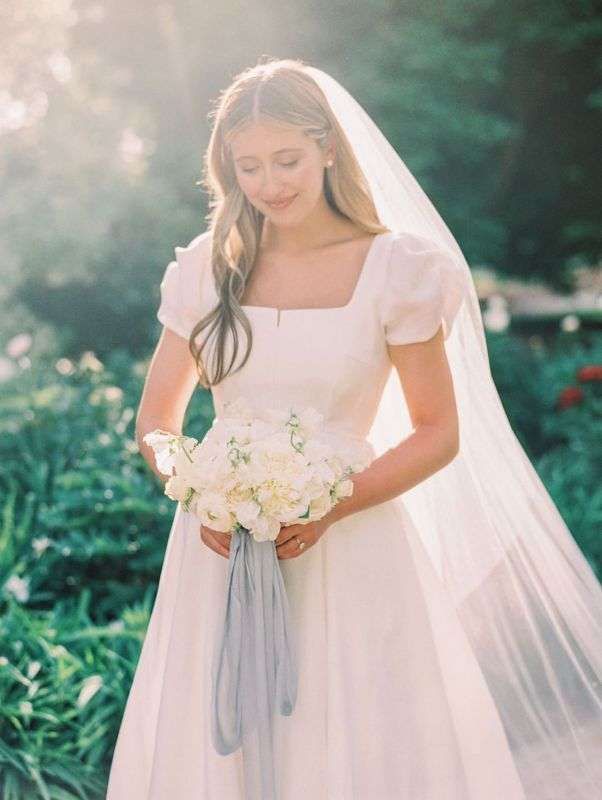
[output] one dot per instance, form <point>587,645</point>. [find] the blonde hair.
<point>281,90</point>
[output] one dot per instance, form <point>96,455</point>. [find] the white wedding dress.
<point>391,704</point>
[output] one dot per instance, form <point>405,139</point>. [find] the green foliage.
<point>79,508</point>
<point>564,444</point>
<point>63,685</point>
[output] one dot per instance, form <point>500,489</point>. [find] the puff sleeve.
<point>424,288</point>
<point>180,303</point>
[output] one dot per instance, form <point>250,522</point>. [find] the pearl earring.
<point>329,163</point>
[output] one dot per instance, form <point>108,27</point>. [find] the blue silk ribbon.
<point>254,671</point>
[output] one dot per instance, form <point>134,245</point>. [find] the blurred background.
<point>495,107</point>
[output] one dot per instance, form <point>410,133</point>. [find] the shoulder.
<point>406,243</point>
<point>184,285</point>
<point>424,285</point>
<point>413,256</point>
<point>195,252</point>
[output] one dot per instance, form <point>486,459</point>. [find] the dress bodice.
<point>334,359</point>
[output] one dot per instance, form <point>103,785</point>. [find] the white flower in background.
<point>570,323</point>
<point>113,393</point>
<point>89,688</point>
<point>40,544</point>
<point>496,316</point>
<point>18,587</point>
<point>7,369</point>
<point>19,345</point>
<point>64,366</point>
<point>117,625</point>
<point>33,688</point>
<point>89,361</point>
<point>58,651</point>
<point>3,661</point>
<point>26,708</point>
<point>33,668</point>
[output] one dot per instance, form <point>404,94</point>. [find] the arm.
<point>428,387</point>
<point>168,387</point>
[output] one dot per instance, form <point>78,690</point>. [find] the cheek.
<point>307,178</point>
<point>249,185</point>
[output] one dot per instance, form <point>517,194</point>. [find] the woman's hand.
<point>216,540</point>
<point>286,542</point>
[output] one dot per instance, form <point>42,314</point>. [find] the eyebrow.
<point>276,152</point>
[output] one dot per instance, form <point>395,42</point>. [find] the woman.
<point>447,627</point>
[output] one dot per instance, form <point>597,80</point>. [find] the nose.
<point>271,187</point>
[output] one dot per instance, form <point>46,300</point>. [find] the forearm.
<point>423,452</point>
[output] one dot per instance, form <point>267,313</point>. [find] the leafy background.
<point>494,106</point>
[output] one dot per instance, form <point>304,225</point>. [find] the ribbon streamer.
<point>254,668</point>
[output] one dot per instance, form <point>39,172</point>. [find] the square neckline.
<point>356,289</point>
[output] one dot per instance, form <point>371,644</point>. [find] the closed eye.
<point>289,164</point>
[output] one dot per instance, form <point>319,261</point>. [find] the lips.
<point>282,203</point>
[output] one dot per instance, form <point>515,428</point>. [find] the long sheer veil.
<point>526,597</point>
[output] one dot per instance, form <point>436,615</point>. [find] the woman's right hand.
<point>216,540</point>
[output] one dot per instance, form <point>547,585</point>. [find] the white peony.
<point>259,469</point>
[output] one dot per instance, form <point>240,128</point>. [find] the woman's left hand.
<point>287,545</point>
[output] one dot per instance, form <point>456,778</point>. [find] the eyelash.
<point>289,165</point>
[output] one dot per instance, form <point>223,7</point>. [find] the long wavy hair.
<point>273,89</point>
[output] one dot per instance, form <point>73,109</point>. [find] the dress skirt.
<point>391,702</point>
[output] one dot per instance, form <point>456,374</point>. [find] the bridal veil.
<point>526,597</point>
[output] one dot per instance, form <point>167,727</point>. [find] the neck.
<point>320,227</point>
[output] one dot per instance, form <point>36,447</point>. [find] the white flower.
<point>265,529</point>
<point>89,688</point>
<point>26,708</point>
<point>343,488</point>
<point>319,507</point>
<point>213,512</point>
<point>177,487</point>
<point>18,587</point>
<point>33,688</point>
<point>165,446</point>
<point>259,469</point>
<point>19,345</point>
<point>33,668</point>
<point>40,544</point>
<point>89,361</point>
<point>248,514</point>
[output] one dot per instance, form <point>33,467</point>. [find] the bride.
<point>447,629</point>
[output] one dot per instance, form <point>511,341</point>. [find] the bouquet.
<point>257,470</point>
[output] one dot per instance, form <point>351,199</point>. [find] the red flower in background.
<point>571,396</point>
<point>591,372</point>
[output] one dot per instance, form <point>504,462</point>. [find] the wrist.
<point>341,510</point>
